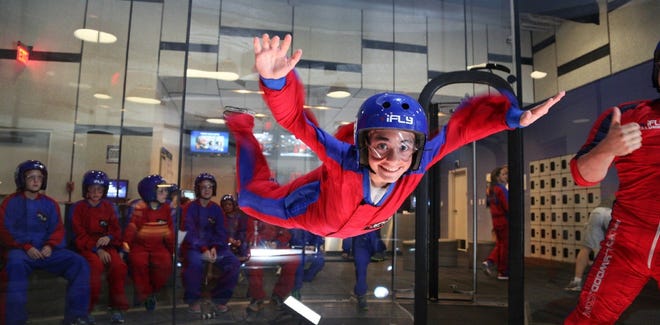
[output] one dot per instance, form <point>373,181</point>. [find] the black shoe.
<point>150,303</point>
<point>362,303</point>
<point>278,302</point>
<point>255,305</point>
<point>378,257</point>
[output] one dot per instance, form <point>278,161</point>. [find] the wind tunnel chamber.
<point>439,274</point>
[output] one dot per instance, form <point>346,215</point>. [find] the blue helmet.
<point>148,186</point>
<point>391,111</point>
<point>19,174</point>
<point>95,177</point>
<point>204,177</point>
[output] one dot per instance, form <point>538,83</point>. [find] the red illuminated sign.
<point>22,53</point>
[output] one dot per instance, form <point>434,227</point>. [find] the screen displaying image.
<point>209,142</point>
<point>188,194</point>
<point>118,189</point>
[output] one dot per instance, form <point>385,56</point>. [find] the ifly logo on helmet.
<point>400,119</point>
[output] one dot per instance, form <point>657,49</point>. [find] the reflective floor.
<point>330,295</point>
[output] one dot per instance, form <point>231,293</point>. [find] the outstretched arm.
<point>530,116</point>
<point>270,56</point>
<point>619,141</point>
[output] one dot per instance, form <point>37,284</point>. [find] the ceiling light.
<point>215,120</point>
<point>538,74</point>
<point>259,115</point>
<point>319,107</point>
<point>217,75</point>
<point>102,95</point>
<point>338,91</point>
<point>581,120</point>
<point>143,95</point>
<point>94,36</point>
<point>247,91</point>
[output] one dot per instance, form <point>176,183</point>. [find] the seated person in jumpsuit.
<point>266,236</point>
<point>206,241</point>
<point>301,239</point>
<point>97,237</point>
<point>32,237</point>
<point>149,240</point>
<point>236,226</point>
<point>362,247</point>
<point>359,187</point>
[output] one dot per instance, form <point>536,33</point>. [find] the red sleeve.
<point>475,119</point>
<point>6,238</point>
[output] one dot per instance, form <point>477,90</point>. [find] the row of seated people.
<point>32,237</point>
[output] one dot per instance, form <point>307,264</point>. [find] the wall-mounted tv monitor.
<point>212,142</point>
<point>190,194</point>
<point>118,189</point>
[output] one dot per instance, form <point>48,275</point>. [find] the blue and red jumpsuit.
<point>334,199</point>
<point>498,203</point>
<point>90,223</point>
<point>150,240</point>
<point>205,229</point>
<point>264,235</point>
<point>630,253</point>
<point>27,223</point>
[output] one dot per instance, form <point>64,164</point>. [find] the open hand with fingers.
<point>271,58</point>
<point>530,116</point>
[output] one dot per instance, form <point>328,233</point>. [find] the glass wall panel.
<point>137,88</point>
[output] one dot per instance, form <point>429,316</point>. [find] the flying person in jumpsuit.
<point>149,240</point>
<point>97,237</point>
<point>628,137</point>
<point>207,241</point>
<point>359,187</point>
<point>32,237</point>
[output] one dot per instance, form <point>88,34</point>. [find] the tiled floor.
<point>330,296</point>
